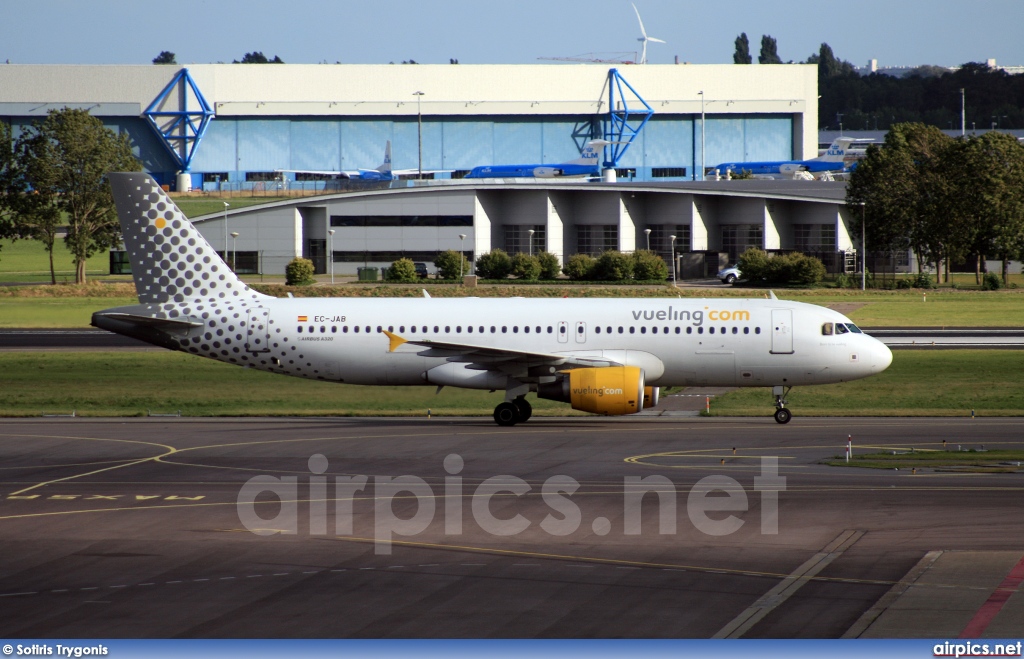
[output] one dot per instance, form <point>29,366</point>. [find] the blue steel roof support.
<point>185,128</point>
<point>619,130</point>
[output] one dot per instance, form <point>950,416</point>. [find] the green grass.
<point>971,460</point>
<point>130,383</point>
<point>197,206</point>
<point>28,261</point>
<point>71,306</point>
<point>919,383</point>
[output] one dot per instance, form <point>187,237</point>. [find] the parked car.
<point>421,270</point>
<point>729,275</point>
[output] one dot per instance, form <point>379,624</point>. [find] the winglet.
<point>395,341</point>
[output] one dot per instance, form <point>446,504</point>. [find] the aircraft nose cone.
<point>882,357</point>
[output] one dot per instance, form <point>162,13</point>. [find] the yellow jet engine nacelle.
<point>651,396</point>
<point>611,391</point>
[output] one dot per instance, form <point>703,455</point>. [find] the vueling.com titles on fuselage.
<point>695,317</point>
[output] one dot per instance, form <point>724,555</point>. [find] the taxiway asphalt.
<point>132,528</point>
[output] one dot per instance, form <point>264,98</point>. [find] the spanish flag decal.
<point>303,319</point>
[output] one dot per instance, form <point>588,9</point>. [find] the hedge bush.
<point>549,265</point>
<point>403,271</point>
<point>757,266</point>
<point>649,266</point>
<point>299,272</point>
<point>614,266</point>
<point>525,267</point>
<point>579,267</point>
<point>494,265</point>
<point>451,264</point>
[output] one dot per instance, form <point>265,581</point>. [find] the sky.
<point>895,32</point>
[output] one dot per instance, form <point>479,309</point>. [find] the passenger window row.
<point>826,329</point>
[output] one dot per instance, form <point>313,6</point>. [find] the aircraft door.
<point>782,331</point>
<point>563,332</point>
<point>581,332</point>
<point>257,330</point>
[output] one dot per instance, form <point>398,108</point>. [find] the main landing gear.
<point>782,415</point>
<point>511,413</point>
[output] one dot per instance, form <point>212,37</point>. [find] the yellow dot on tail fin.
<point>161,223</point>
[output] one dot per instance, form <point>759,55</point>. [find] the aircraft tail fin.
<point>591,154</point>
<point>385,167</point>
<point>171,261</point>
<point>837,150</point>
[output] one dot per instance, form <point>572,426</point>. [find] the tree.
<point>7,165</point>
<point>402,271</point>
<point>451,264</point>
<point>165,57</point>
<point>66,159</point>
<point>991,169</point>
<point>769,51</point>
<point>494,265</point>
<point>525,267</point>
<point>742,54</point>
<point>257,57</point>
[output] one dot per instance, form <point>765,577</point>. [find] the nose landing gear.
<point>782,415</point>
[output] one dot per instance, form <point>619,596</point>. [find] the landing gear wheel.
<point>782,415</point>
<point>524,408</point>
<point>506,414</point>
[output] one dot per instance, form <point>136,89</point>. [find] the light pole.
<point>330,251</point>
<point>462,253</point>
<point>863,250</point>
<point>701,92</point>
<point>234,252</point>
<point>673,261</point>
<point>419,132</point>
<point>647,232</point>
<point>226,204</point>
<point>963,114</point>
<point>531,241</point>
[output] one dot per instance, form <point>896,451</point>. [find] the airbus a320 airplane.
<point>607,356</point>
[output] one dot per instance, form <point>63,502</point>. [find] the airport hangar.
<point>235,126</point>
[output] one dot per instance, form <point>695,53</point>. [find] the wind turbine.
<point>644,38</point>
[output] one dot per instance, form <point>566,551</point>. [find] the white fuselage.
<point>678,342</point>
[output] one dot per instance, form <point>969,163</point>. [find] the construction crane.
<point>596,58</point>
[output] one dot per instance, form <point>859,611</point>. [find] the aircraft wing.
<point>486,357</point>
<point>412,172</point>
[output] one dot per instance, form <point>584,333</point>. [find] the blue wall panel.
<point>516,142</point>
<point>147,146</point>
<point>316,144</point>
<point>362,143</point>
<point>724,140</point>
<point>559,145</point>
<point>467,144</point>
<point>263,144</point>
<point>404,145</point>
<point>769,138</point>
<point>218,149</point>
<point>667,142</point>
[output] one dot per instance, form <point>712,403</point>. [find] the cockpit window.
<point>826,329</point>
<point>854,328</point>
<point>841,328</point>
